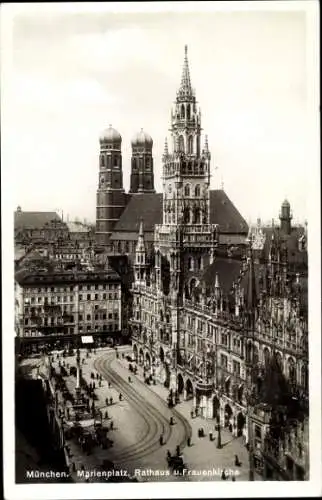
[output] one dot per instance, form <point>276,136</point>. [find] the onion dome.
<point>142,139</point>
<point>110,135</point>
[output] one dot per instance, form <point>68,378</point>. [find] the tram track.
<point>156,422</point>
<point>155,425</point>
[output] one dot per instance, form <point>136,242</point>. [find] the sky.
<point>73,74</point>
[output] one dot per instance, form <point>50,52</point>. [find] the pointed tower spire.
<point>251,297</point>
<point>140,246</point>
<point>185,79</point>
<point>166,150</point>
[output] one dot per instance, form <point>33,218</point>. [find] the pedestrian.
<point>178,450</point>
<point>233,477</point>
<point>161,440</point>
<point>230,427</point>
<point>189,441</point>
<point>192,414</point>
<point>129,379</point>
<point>106,415</point>
<point>223,475</point>
<point>168,454</point>
<point>112,425</point>
<point>120,397</point>
<point>237,462</point>
<point>106,401</point>
<point>171,421</point>
<point>109,384</point>
<point>93,385</point>
<point>111,400</point>
<point>99,384</point>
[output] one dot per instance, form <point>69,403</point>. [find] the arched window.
<point>182,111</point>
<point>304,376</point>
<point>196,218</point>
<point>188,112</point>
<point>187,190</point>
<point>181,144</point>
<point>189,263</point>
<point>190,144</point>
<point>291,371</point>
<point>186,215</point>
<point>102,161</point>
<point>197,190</point>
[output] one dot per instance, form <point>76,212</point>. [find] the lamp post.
<point>218,428</point>
<point>250,440</point>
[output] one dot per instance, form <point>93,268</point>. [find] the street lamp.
<point>218,428</point>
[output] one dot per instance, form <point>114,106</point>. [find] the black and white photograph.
<point>161,249</point>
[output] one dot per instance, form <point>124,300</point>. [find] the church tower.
<point>110,193</point>
<point>186,240</point>
<point>142,177</point>
<point>286,217</point>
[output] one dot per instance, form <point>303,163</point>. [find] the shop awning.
<point>88,339</point>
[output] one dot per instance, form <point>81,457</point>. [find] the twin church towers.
<point>185,148</point>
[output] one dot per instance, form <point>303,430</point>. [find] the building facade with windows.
<point>65,302</point>
<point>204,324</point>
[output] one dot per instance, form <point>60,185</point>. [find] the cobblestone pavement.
<point>136,432</point>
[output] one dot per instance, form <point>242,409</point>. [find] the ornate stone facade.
<point>204,326</point>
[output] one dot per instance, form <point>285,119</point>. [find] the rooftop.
<point>34,220</point>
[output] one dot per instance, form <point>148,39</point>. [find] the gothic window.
<point>187,190</point>
<point>102,161</point>
<point>182,111</point>
<point>197,190</point>
<point>115,162</point>
<point>266,356</point>
<point>196,216</point>
<point>279,360</point>
<point>190,144</point>
<point>304,376</point>
<point>255,355</point>
<point>188,112</point>
<point>186,215</point>
<point>181,143</point>
<point>291,370</point>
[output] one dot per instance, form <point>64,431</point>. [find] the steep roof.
<point>228,271</point>
<point>34,220</point>
<point>295,256</point>
<point>148,206</point>
<point>224,213</point>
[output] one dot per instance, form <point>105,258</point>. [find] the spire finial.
<point>166,151</point>
<point>185,80</point>
<point>141,231</point>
